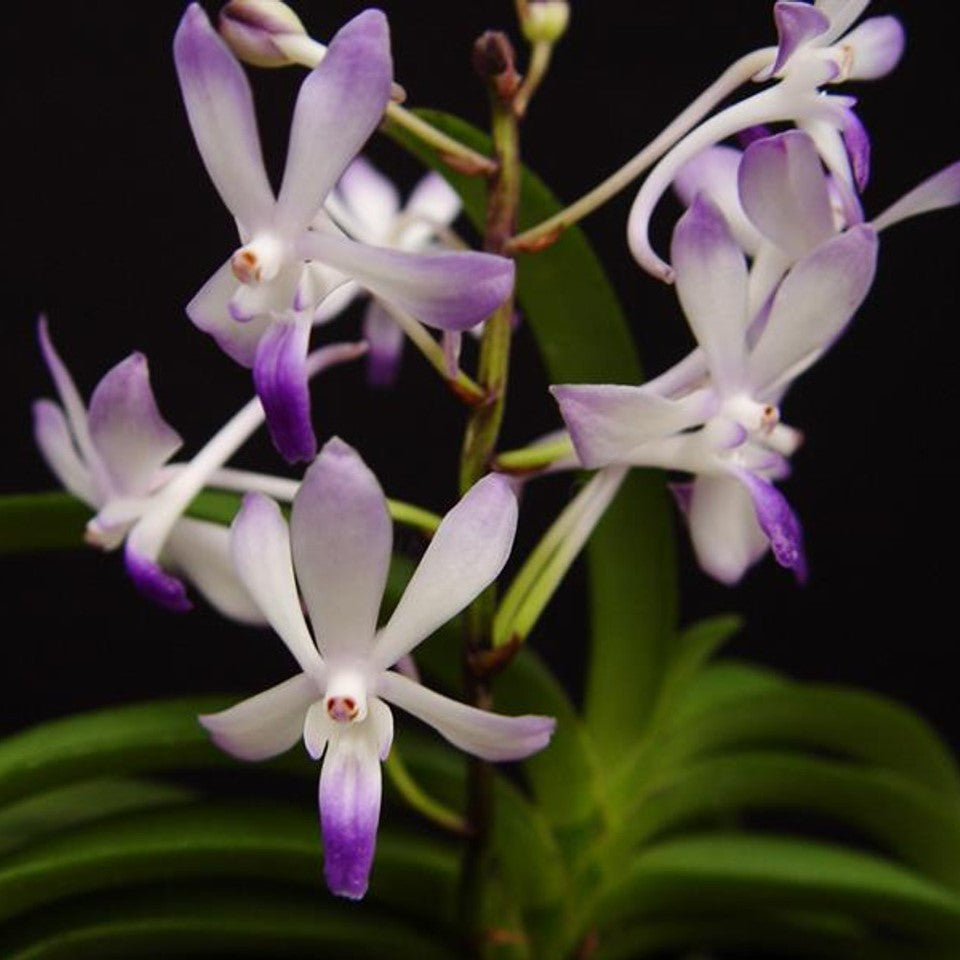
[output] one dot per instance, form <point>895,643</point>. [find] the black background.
<point>110,225</point>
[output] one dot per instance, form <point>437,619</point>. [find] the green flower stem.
<point>31,522</point>
<point>419,800</point>
<point>535,457</point>
<point>455,154</point>
<point>549,562</point>
<point>493,59</point>
<point>739,72</point>
<point>465,388</point>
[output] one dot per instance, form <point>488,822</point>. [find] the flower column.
<point>493,59</point>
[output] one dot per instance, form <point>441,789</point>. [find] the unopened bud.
<point>545,21</point>
<point>260,32</point>
<point>494,61</point>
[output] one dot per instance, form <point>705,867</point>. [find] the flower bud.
<point>251,27</point>
<point>545,21</point>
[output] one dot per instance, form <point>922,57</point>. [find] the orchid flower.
<point>781,205</point>
<point>114,457</point>
<point>367,206</point>
<point>812,51</point>
<point>734,509</point>
<point>259,306</point>
<point>338,549</point>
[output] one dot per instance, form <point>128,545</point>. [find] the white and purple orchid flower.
<point>813,50</point>
<point>337,548</point>
<point>366,205</point>
<point>730,389</point>
<point>114,457</point>
<point>260,305</point>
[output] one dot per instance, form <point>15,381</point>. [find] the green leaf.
<point>845,721</point>
<point>583,337</point>
<point>192,922</point>
<point>905,820</point>
<point>262,841</point>
<point>161,735</point>
<point>70,806</point>
<point>739,875</point>
<point>794,934</point>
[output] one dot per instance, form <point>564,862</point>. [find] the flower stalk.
<point>494,61</point>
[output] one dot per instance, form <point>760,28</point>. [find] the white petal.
<point>607,422</point>
<point>784,192</point>
<point>466,554</point>
<point>267,724</point>
<point>479,732</point>
<point>339,106</point>
<point>132,438</point>
<point>724,530</point>
<point>811,308</point>
<point>53,437</point>
<point>935,193</point>
<point>711,277</point>
<point>371,200</point>
<point>201,552</point>
<point>220,107</point>
<point>342,537</point>
<point>260,547</point>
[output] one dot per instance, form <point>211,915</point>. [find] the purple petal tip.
<point>156,584</point>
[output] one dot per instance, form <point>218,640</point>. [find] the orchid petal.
<point>446,290</point>
<point>73,404</point>
<point>877,46</point>
<point>714,173</point>
<point>350,789</point>
<point>490,736</point>
<point>371,201</point>
<point>812,306</point>
<point>317,729</point>
<point>783,188</point>
<point>778,522</point>
<point>53,437</point>
<point>280,376</point>
<point>339,106</point>
<point>132,438</point>
<point>824,129</point>
<point>608,421</point>
<point>260,548</point>
<point>724,531</point>
<point>153,581</point>
<point>385,337</point>
<point>201,552</point>
<point>856,140</point>
<point>342,536</point>
<point>797,24</point>
<point>337,300</point>
<point>841,14</point>
<point>434,200</point>
<point>209,310</point>
<point>711,277</point>
<point>935,193</point>
<point>266,725</point>
<point>466,554</point>
<point>220,109</point>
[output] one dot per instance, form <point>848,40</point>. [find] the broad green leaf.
<point>722,682</point>
<point>78,803</point>
<point>258,921</point>
<point>849,722</point>
<point>150,736</point>
<point>583,337</point>
<point>794,934</point>
<point>904,819</point>
<point>262,841</point>
<point>692,651</point>
<point>742,875</point>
